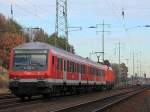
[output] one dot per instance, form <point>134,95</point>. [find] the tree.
<point>116,70</point>
<point>120,71</point>
<point>124,71</point>
<point>9,41</point>
<point>60,43</point>
<point>106,62</point>
<point>40,36</point>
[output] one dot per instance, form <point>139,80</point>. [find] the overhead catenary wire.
<point>116,12</point>
<point>29,12</point>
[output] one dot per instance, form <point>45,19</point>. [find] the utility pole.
<point>119,53</point>
<point>127,61</point>
<point>137,65</point>
<point>103,35</point>
<point>140,65</point>
<point>119,78</point>
<point>11,11</point>
<point>133,64</point>
<point>61,25</point>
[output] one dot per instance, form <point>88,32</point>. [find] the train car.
<point>42,69</point>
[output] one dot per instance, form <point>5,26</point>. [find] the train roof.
<point>60,52</point>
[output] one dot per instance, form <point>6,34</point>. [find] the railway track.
<point>15,103</point>
<point>6,96</point>
<point>100,105</point>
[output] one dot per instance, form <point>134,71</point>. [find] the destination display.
<point>27,51</point>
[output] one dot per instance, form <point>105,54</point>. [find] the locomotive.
<point>41,69</point>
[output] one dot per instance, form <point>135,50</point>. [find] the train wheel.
<point>48,95</point>
<point>29,98</point>
<point>22,98</point>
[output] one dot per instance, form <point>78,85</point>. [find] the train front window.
<point>38,61</point>
<point>30,61</point>
<point>21,60</point>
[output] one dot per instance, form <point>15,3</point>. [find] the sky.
<point>85,13</point>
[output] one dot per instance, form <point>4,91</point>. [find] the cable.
<point>28,11</point>
<point>114,8</point>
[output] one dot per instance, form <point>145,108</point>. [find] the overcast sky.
<point>84,13</point>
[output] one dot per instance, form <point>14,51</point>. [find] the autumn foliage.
<point>10,37</point>
<point>9,41</point>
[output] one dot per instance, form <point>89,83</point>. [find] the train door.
<point>65,70</point>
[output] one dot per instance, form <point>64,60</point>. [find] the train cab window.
<point>38,59</point>
<point>30,61</point>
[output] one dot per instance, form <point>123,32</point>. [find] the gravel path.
<point>138,103</point>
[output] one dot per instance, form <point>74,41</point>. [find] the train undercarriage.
<point>29,89</point>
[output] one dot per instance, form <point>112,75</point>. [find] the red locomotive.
<point>41,69</point>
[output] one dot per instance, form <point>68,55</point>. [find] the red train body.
<point>39,68</point>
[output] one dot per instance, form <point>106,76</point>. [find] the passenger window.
<point>68,68</point>
<point>102,73</point>
<point>78,68</point>
<point>64,65</point>
<point>97,72</point>
<point>57,63</point>
<point>52,60</point>
<point>61,64</point>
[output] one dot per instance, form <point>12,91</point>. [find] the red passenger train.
<point>41,69</point>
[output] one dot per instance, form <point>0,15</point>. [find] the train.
<point>38,68</point>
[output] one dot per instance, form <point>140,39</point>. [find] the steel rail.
<point>99,104</point>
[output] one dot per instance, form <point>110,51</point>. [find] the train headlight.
<point>16,78</point>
